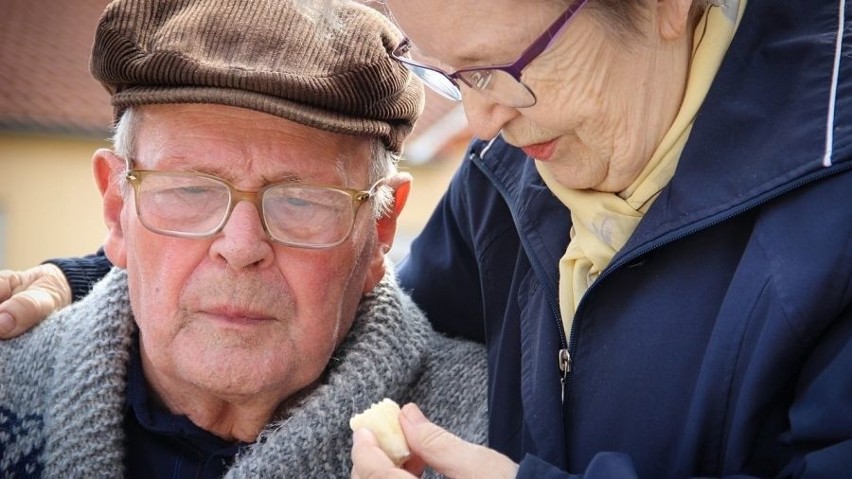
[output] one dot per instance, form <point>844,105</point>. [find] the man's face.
<point>236,315</point>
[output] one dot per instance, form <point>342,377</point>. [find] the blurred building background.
<point>53,116</point>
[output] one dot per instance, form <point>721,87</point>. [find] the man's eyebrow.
<point>225,172</point>
<point>285,178</point>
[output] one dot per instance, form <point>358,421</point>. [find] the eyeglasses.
<point>501,83</point>
<point>197,205</point>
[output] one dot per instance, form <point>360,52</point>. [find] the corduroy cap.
<point>265,55</point>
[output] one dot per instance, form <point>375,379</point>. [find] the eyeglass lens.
<point>189,205</point>
<point>307,215</point>
<point>498,85</point>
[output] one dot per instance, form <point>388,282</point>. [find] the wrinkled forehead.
<point>446,32</point>
<point>234,142</point>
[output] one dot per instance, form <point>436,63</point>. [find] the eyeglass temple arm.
<point>544,41</point>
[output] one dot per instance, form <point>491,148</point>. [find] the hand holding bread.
<point>382,419</point>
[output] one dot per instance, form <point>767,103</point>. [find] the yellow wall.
<point>48,198</point>
<point>430,181</point>
<point>50,206</point>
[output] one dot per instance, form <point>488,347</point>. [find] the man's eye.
<point>297,202</point>
<point>195,193</point>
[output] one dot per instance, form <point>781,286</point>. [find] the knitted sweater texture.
<point>62,390</point>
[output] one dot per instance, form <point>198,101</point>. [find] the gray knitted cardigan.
<point>62,389</point>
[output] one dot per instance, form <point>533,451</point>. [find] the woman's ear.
<point>674,17</point>
<point>386,229</point>
<point>108,168</point>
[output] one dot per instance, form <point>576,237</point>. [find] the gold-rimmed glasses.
<point>198,205</point>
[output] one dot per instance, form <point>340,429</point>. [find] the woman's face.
<point>605,98</point>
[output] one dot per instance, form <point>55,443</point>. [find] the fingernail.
<point>413,414</point>
<point>7,323</point>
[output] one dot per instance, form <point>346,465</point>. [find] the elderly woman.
<point>653,236</point>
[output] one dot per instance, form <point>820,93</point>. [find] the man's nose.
<point>243,242</point>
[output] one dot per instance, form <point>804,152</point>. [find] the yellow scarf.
<point>602,222</point>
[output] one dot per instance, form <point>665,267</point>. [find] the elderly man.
<point>250,198</point>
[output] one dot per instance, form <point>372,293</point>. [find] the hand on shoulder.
<point>29,296</point>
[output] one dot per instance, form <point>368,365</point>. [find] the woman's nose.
<point>485,116</point>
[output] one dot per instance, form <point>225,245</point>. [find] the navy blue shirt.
<point>166,445</point>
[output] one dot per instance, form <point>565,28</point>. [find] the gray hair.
<point>383,164</point>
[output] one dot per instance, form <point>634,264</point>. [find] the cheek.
<point>316,328</point>
<point>317,283</point>
<point>327,290</point>
<point>159,267</point>
<point>575,81</point>
<point>558,107</point>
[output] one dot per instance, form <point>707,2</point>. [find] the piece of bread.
<point>382,419</point>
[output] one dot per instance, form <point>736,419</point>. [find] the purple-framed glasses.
<point>501,83</point>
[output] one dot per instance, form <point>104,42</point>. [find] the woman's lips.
<point>540,151</point>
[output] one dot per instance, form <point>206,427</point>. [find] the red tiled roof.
<point>45,85</point>
<point>44,59</point>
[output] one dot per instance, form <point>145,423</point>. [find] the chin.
<point>565,177</point>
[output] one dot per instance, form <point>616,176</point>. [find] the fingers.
<point>430,445</point>
<point>24,310</point>
<point>7,325</point>
<point>448,454</point>
<point>9,283</point>
<point>370,462</point>
<point>30,296</point>
<point>7,322</point>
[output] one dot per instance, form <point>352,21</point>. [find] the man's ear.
<point>386,229</point>
<point>108,168</point>
<point>674,16</point>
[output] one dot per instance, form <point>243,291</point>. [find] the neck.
<point>232,417</point>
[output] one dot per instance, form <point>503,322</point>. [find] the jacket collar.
<point>543,222</point>
<point>776,117</point>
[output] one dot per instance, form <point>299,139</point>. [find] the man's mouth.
<point>237,316</point>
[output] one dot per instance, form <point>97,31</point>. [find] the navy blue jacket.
<point>718,342</point>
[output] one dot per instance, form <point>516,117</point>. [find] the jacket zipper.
<point>564,355</point>
<point>565,368</point>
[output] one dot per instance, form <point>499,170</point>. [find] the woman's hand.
<point>430,445</point>
<point>29,296</point>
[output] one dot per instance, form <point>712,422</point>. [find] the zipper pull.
<point>565,367</point>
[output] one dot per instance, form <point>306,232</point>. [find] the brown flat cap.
<point>330,71</point>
